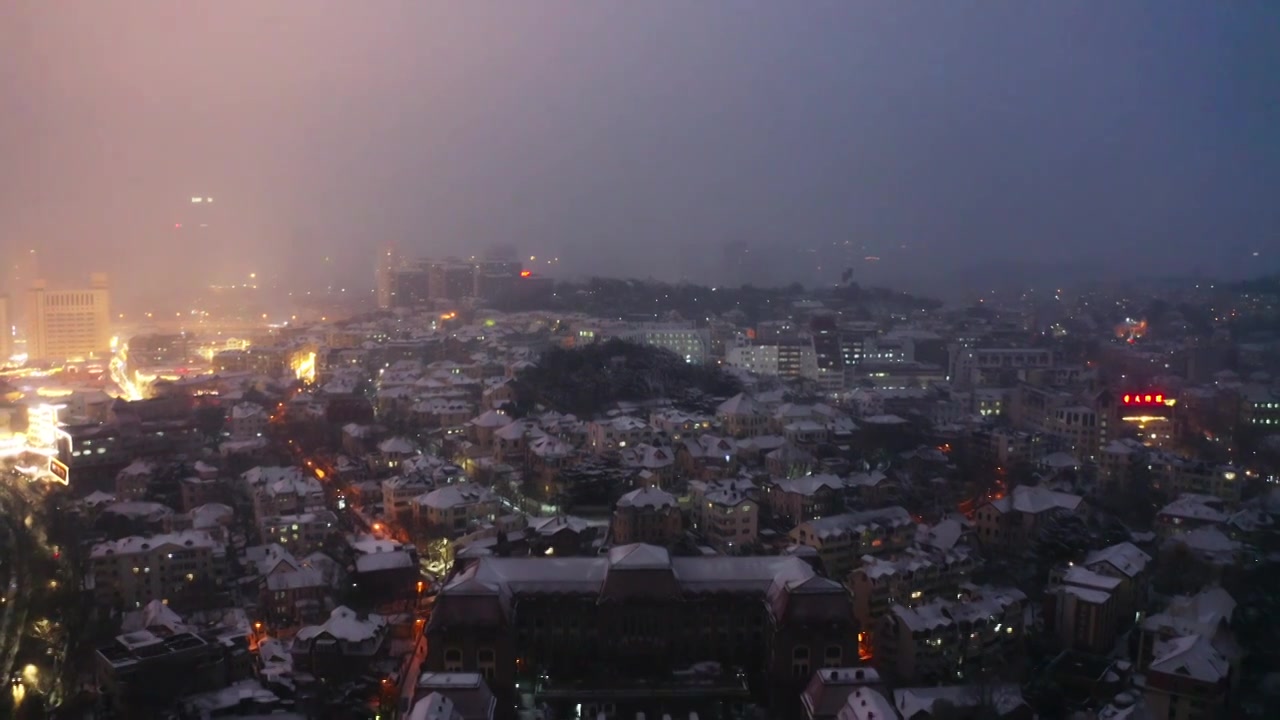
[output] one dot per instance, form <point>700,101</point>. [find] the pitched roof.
<point>1124,557</point>
<point>648,497</point>
<point>740,404</point>
<point>1035,499</point>
<point>639,556</point>
<point>1192,657</point>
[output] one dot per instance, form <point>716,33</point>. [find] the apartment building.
<point>618,433</point>
<point>282,491</point>
<point>808,497</point>
<point>688,342</point>
<point>647,515</point>
<point>133,571</point>
<point>842,540</point>
<point>398,493</point>
<point>791,359</point>
<point>1082,609</point>
<point>977,367</point>
<point>915,577</point>
<point>725,513</point>
<point>301,533</point>
<point>1013,520</point>
<point>951,640</point>
<point>248,421</point>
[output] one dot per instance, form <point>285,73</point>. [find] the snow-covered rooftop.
<point>345,624</point>
<point>135,544</point>
<point>648,497</point>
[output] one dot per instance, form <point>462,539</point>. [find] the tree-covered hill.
<point>588,380</point>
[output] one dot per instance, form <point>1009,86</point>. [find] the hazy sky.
<point>637,137</point>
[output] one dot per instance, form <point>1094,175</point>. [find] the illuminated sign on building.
<point>526,273</point>
<point>43,430</point>
<point>1140,399</point>
<point>59,470</point>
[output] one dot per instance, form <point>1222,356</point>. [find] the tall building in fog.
<point>6,330</point>
<point>66,324</point>
<point>385,276</point>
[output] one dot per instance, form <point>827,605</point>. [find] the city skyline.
<point>640,141</point>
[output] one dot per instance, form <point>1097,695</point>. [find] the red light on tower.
<point>526,273</point>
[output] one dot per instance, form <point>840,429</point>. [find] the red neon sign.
<point>1143,399</point>
<point>526,273</point>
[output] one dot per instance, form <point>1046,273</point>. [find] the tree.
<point>210,420</point>
<point>1179,571</point>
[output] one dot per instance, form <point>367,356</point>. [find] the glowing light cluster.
<point>304,366</point>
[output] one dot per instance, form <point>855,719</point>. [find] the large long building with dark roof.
<point>641,631</point>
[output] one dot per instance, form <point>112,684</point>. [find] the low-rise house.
<point>866,704</point>
<point>383,569</point>
<point>959,701</point>
<point>618,433</point>
<point>1190,512</point>
<point>132,482</point>
<point>468,694</point>
<point>1187,678</point>
<point>398,493</point>
<point>343,646</point>
<point>213,518</point>
<point>282,491</point>
<point>829,690</point>
<point>480,429</point>
<point>679,425</point>
<point>292,591</point>
<point>742,416</point>
<point>1207,613</point>
<point>511,442</point>
<point>657,463</point>
<point>706,457</point>
<point>450,510</point>
<point>197,491</point>
<point>806,498</point>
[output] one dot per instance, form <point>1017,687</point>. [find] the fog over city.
<point>627,359</point>
<point>955,142</point>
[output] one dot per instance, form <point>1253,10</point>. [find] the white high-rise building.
<point>69,324</point>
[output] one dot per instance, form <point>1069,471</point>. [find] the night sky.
<point>640,138</point>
